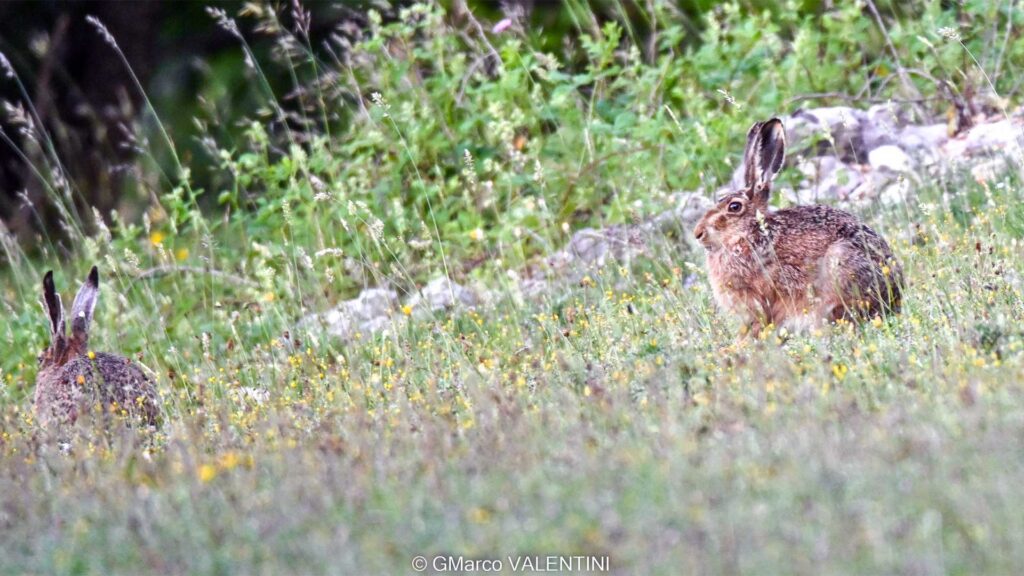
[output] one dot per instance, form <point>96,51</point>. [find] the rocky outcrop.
<point>442,294</point>
<point>844,155</point>
<point>368,313</point>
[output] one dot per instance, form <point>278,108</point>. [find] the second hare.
<point>797,267</point>
<point>73,380</point>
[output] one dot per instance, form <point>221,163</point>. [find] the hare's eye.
<point>735,206</point>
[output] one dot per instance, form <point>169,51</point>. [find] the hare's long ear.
<point>751,159</point>
<point>54,307</point>
<point>85,304</point>
<point>769,154</point>
<point>772,149</point>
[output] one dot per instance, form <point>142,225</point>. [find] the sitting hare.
<point>73,380</point>
<point>796,267</point>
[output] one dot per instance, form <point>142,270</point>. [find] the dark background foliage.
<point>86,107</point>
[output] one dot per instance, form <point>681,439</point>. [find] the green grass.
<point>618,417</point>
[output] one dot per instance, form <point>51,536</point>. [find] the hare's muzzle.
<point>701,232</point>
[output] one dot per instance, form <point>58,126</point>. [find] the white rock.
<point>595,248</point>
<point>835,129</point>
<point>892,113</point>
<point>889,157</point>
<point>1003,135</point>
<point>366,313</point>
<point>927,138</point>
<point>372,303</point>
<point>872,186</point>
<point>895,194</point>
<point>858,158</point>
<point>590,246</point>
<point>988,171</point>
<point>826,178</point>
<point>689,208</point>
<point>879,128</point>
<point>442,294</point>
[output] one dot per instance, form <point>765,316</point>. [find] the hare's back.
<point>117,380</point>
<point>809,231</point>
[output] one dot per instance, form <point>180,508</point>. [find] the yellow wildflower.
<point>207,472</point>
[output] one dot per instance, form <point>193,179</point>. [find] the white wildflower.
<point>470,168</point>
<point>376,229</point>
<point>102,29</point>
<point>328,252</point>
<point>378,99</point>
<point>5,65</point>
<point>730,98</point>
<point>224,21</point>
<point>950,33</point>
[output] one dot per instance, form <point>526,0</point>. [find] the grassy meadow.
<point>619,416</point>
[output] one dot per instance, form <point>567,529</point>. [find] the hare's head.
<point>62,347</point>
<point>731,217</point>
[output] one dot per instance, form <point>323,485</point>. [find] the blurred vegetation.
<point>202,93</point>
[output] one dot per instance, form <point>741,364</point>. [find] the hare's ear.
<point>85,304</point>
<point>766,158</point>
<point>772,145</point>
<point>751,159</point>
<point>53,306</point>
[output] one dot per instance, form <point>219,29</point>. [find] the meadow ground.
<point>618,417</point>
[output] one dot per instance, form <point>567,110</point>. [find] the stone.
<point>872,186</point>
<point>826,178</point>
<point>834,129</point>
<point>589,246</point>
<point>879,127</point>
<point>1001,136</point>
<point>594,248</point>
<point>927,139</point>
<point>442,294</point>
<point>366,313</point>
<point>990,169</point>
<point>895,193</point>
<point>688,209</point>
<point>889,157</point>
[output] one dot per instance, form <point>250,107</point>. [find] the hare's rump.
<point>108,382</point>
<point>859,278</point>
<point>850,270</point>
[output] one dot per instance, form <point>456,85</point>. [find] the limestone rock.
<point>889,157</point>
<point>1004,136</point>
<point>442,294</point>
<point>367,313</point>
<point>834,130</point>
<point>826,178</point>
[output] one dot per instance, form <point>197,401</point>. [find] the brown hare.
<point>73,380</point>
<point>797,267</point>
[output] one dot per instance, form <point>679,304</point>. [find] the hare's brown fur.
<point>109,383</point>
<point>73,382</point>
<point>795,267</point>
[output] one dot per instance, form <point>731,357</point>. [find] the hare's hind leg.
<point>837,284</point>
<point>851,284</point>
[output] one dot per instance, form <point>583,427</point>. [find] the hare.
<point>73,380</point>
<point>798,267</point>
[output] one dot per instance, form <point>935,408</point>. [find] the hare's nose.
<point>699,233</point>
